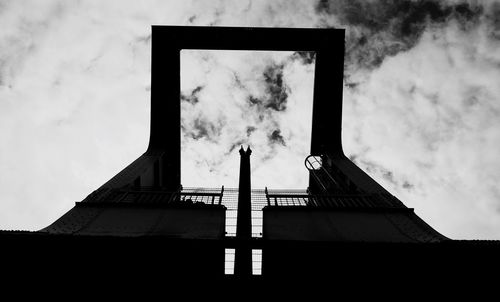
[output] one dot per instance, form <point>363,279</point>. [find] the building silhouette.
<point>343,228</point>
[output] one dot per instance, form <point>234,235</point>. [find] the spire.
<point>243,257</point>
<point>247,153</point>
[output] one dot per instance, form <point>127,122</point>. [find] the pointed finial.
<point>242,151</point>
<point>249,151</point>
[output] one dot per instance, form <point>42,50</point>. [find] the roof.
<point>197,222</point>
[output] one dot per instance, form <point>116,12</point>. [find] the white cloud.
<point>218,86</point>
<point>431,117</point>
<point>74,105</point>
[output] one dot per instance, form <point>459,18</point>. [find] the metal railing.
<point>306,199</point>
<point>200,195</point>
<point>155,195</point>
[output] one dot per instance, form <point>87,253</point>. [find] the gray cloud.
<point>275,87</point>
<point>408,186</point>
<point>389,177</point>
<point>305,57</point>
<point>235,145</point>
<point>146,39</point>
<point>202,128</point>
<point>275,137</point>
<point>192,97</point>
<point>276,90</point>
<point>250,130</point>
<point>377,29</point>
<point>492,19</point>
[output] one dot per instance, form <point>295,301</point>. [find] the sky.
<point>421,101</point>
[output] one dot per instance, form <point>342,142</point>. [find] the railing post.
<point>267,197</point>
<point>221,194</point>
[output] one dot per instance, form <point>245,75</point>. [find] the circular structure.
<point>313,162</point>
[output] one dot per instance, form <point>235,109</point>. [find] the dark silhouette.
<point>243,261</point>
<point>345,229</point>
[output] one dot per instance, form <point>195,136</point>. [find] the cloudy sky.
<point>421,101</point>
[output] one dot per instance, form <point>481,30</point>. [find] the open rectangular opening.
<point>256,262</point>
<point>229,261</point>
<point>257,98</point>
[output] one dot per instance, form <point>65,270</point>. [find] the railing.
<point>201,196</point>
<point>286,199</point>
<point>155,195</point>
<point>332,201</point>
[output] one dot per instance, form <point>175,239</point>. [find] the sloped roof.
<point>352,225</point>
<point>125,220</point>
<point>376,217</point>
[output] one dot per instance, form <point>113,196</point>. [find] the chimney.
<point>243,257</point>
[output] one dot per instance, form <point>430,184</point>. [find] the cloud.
<point>192,97</point>
<point>305,57</point>
<point>17,43</point>
<point>276,138</point>
<point>275,88</point>
<point>74,105</point>
<point>243,104</point>
<point>378,29</point>
<point>420,101</point>
<point>429,117</point>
